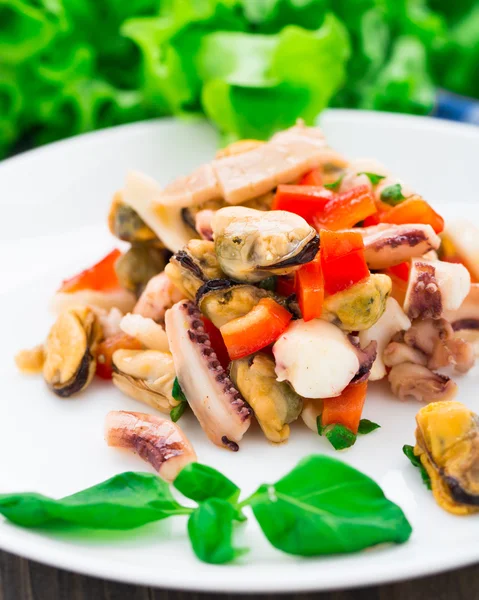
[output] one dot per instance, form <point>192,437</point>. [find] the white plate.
<point>54,203</point>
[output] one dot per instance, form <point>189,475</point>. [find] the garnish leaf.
<point>340,437</point>
<point>177,411</point>
<point>366,426</point>
<point>122,502</point>
<point>416,462</point>
<point>324,506</point>
<point>374,178</point>
<point>392,194</point>
<point>210,528</point>
<point>335,185</point>
<point>200,482</point>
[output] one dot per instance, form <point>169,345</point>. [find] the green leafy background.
<point>252,66</point>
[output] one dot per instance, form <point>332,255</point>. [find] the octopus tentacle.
<point>217,404</point>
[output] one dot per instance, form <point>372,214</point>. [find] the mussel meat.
<point>147,376</point>
<point>274,403</point>
<point>447,443</point>
<point>252,245</point>
<point>191,267</point>
<point>127,225</point>
<point>69,351</point>
<point>138,265</point>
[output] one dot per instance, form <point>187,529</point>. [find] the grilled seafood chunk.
<point>158,441</point>
<point>252,245</point>
<point>447,443</point>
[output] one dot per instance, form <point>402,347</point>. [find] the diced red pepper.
<point>260,327</point>
<point>217,342</point>
<point>401,270</point>
<point>105,350</point>
<point>303,200</point>
<point>347,408</point>
<point>286,285</point>
<point>310,289</point>
<point>100,277</point>
<point>346,209</point>
<point>314,177</point>
<point>414,210</point>
<point>342,259</point>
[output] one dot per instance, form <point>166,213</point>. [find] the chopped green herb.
<point>335,185</point>
<point>177,411</point>
<point>416,461</point>
<point>374,178</point>
<point>340,437</point>
<point>392,194</point>
<point>366,426</point>
<point>268,284</point>
<point>177,392</point>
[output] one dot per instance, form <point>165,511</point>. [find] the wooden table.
<point>25,580</point>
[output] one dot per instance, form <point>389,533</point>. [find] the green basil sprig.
<point>334,186</point>
<point>374,178</point>
<point>323,506</point>
<point>416,462</point>
<point>340,436</point>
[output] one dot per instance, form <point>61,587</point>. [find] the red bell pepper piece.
<point>105,350</point>
<point>314,177</point>
<point>401,270</point>
<point>310,289</point>
<point>414,210</point>
<point>347,408</point>
<point>260,327</point>
<point>304,200</point>
<point>286,285</point>
<point>346,209</point>
<point>342,259</point>
<point>217,342</point>
<point>100,277</point>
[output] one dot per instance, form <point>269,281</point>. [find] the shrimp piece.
<point>158,296</point>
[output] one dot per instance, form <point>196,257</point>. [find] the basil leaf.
<point>416,461</point>
<point>340,437</point>
<point>177,411</point>
<point>210,528</point>
<point>268,284</point>
<point>335,185</point>
<point>122,502</point>
<point>366,426</point>
<point>319,425</point>
<point>324,506</point>
<point>200,482</point>
<point>374,178</point>
<point>177,392</point>
<point>392,194</point>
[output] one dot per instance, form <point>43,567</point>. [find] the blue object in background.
<point>456,108</point>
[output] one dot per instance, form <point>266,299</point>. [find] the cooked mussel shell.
<point>360,306</point>
<point>275,404</point>
<point>126,224</point>
<point>147,376</point>
<point>70,351</point>
<point>139,264</point>
<point>252,245</point>
<point>447,442</point>
<point>221,301</point>
<point>194,265</point>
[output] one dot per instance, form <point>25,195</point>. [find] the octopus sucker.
<point>157,440</point>
<point>212,396</point>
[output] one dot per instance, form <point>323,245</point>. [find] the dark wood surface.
<point>25,580</point>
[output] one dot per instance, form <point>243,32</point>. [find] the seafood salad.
<point>276,282</point>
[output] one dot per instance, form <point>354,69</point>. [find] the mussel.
<point>147,376</point>
<point>252,245</point>
<point>138,265</point>
<point>274,403</point>
<point>447,443</point>
<point>126,224</point>
<point>360,306</point>
<point>69,351</point>
<point>191,267</point>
